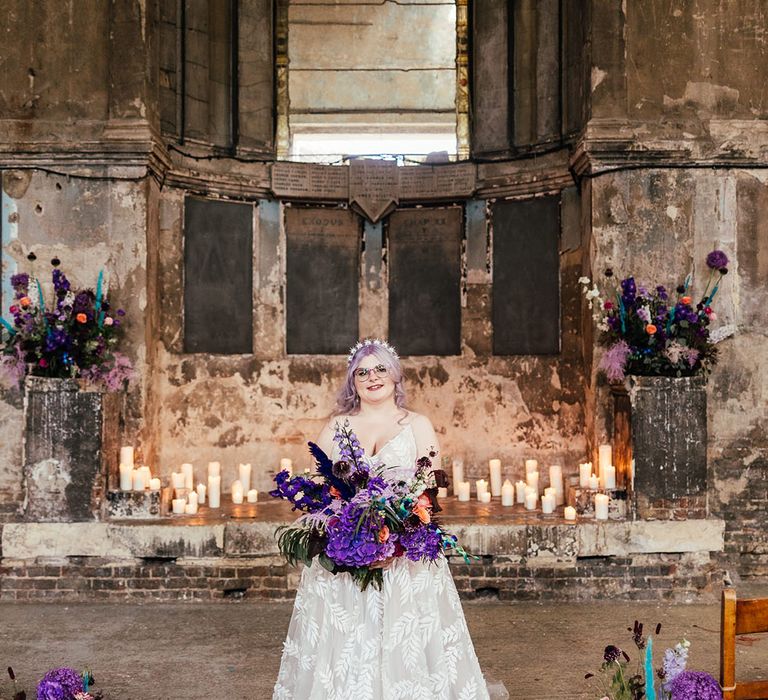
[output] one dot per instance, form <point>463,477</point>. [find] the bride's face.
<point>372,381</point>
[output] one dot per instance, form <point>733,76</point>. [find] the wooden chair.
<point>747,616</point>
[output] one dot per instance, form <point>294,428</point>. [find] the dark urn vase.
<point>668,428</point>
<point>70,440</point>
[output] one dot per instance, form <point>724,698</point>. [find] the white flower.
<point>584,280</point>
<point>299,495</point>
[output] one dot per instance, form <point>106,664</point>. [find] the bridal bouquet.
<point>355,517</point>
<point>654,331</point>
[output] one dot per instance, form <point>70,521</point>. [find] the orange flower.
<point>422,514</point>
<point>685,300</point>
<point>650,329</point>
<point>81,318</point>
<point>383,534</point>
<point>25,301</point>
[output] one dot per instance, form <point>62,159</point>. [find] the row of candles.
<point>187,496</point>
<point>527,492</point>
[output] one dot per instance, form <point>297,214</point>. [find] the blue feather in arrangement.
<point>8,326</point>
<point>650,690</point>
<point>325,467</point>
<point>99,296</point>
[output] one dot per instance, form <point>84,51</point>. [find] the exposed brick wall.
<point>644,577</point>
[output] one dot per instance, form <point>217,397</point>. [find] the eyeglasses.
<point>378,370</point>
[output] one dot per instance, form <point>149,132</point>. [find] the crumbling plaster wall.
<point>261,407</point>
<point>678,107</point>
<point>89,225</point>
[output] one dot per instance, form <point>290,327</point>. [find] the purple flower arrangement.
<point>672,681</point>
<point>655,331</point>
<point>354,518</point>
<point>60,684</point>
<point>73,335</point>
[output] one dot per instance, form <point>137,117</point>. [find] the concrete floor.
<point>232,649</point>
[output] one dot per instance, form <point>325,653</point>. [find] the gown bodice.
<point>398,455</point>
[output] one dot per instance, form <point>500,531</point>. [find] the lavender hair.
<point>348,400</point>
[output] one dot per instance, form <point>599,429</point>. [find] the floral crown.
<point>364,343</point>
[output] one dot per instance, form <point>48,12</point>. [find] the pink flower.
<point>614,361</point>
<point>108,321</point>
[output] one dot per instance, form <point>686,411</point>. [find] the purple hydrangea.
<point>423,543</point>
<point>695,685</point>
<point>352,542</point>
<point>60,684</point>
<point>717,260</point>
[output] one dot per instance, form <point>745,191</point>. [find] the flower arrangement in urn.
<point>652,331</point>
<point>671,681</point>
<point>72,336</point>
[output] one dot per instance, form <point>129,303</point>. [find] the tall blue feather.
<point>8,326</point>
<point>97,305</point>
<point>650,690</point>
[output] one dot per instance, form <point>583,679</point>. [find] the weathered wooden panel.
<point>218,277</point>
<point>575,75</point>
<point>256,76</point>
<point>424,277</point>
<point>323,272</point>
<point>526,277</point>
<point>490,77</point>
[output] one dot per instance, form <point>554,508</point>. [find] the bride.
<point>409,640</point>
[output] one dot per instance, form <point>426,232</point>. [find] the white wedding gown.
<point>408,641</point>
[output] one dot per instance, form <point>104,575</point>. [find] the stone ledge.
<point>543,541</point>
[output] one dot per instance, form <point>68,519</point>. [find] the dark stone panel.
<point>526,276</point>
<point>323,273</point>
<point>424,281</point>
<point>218,276</point>
<point>669,445</point>
<point>490,78</point>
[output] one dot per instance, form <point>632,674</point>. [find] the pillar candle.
<point>550,491</point>
<point>609,477</point>
<point>189,477</point>
<point>531,496</point>
<point>126,455</point>
<point>253,496</point>
<point>126,477</point>
<point>548,503</point>
<point>605,457</point>
<point>507,493</point>
<point>532,479</point>
<point>138,480</point>
<point>481,486</point>
<point>520,487</point>
<point>214,468</point>
<point>286,465</point>
<point>244,472</point>
<point>177,480</point>
<point>601,506</point>
<point>484,497</point>
<point>458,475</point>
<point>570,513</point>
<point>585,471</point>
<point>442,492</point>
<point>214,491</point>
<point>178,505</point>
<point>237,492</point>
<point>201,489</point>
<point>495,468</point>
<point>146,475</point>
<point>462,491</point>
<point>556,482</point>
<point>594,482</point>
<point>155,484</point>
<point>191,507</point>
